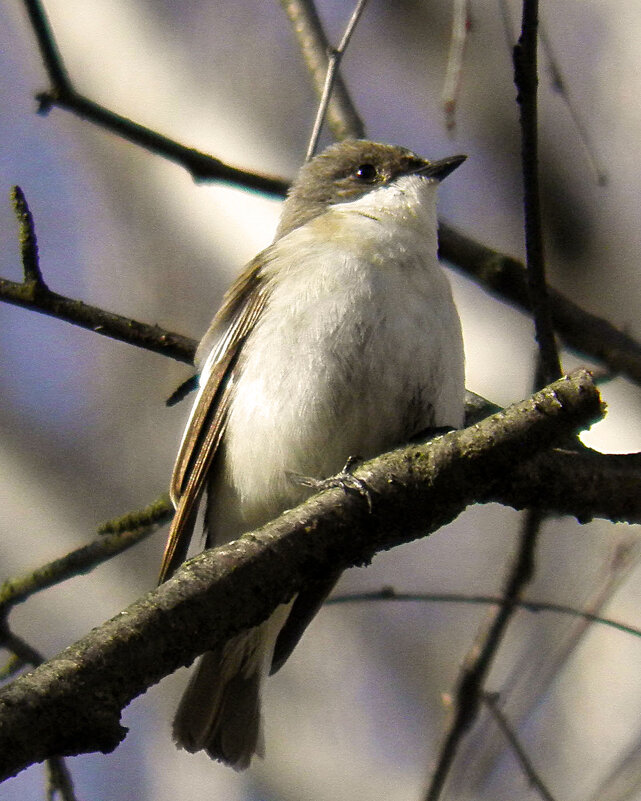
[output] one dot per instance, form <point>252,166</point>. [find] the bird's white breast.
<point>358,349</point>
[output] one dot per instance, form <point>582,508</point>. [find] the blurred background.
<point>85,435</point>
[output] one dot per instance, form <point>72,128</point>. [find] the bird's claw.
<point>344,480</point>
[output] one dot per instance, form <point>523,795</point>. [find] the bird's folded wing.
<point>228,332</point>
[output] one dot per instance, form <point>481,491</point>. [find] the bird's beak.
<point>441,169</point>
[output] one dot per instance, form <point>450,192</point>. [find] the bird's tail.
<point>220,711</point>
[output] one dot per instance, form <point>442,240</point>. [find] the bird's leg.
<point>345,480</point>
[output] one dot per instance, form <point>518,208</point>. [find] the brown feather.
<point>227,333</point>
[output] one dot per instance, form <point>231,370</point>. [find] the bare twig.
<point>34,294</point>
<point>491,701</point>
<point>62,94</point>
<point>416,489</point>
<point>454,70</point>
<point>560,86</point>
<point>342,117</point>
<point>526,80</point>
<point>17,589</point>
<point>481,655</point>
<point>27,240</point>
<point>25,653</point>
<point>389,594</point>
<point>114,326</point>
<point>335,56</point>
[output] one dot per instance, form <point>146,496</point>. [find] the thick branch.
<point>584,483</point>
<point>72,704</point>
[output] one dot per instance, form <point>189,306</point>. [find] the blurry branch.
<point>470,690</point>
<point>498,273</point>
<point>454,69</point>
<point>526,81</point>
<point>58,777</point>
<point>560,87</point>
<point>416,490</point>
<point>342,117</point>
<point>83,559</point>
<point>391,595</point>
<point>59,780</point>
<point>505,278</point>
<point>480,656</point>
<point>22,652</point>
<point>63,94</point>
<point>33,293</point>
<point>335,56</point>
<point>491,701</point>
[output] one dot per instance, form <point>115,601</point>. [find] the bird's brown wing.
<point>229,330</point>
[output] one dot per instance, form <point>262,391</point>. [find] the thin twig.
<point>526,80</point>
<point>560,86</point>
<point>342,117</point>
<point>114,326</point>
<point>335,58</point>
<point>26,653</point>
<point>63,94</point>
<point>482,653</point>
<point>389,594</point>
<point>34,294</point>
<point>27,240</point>
<point>491,701</point>
<point>201,166</point>
<point>77,562</point>
<point>51,57</point>
<point>454,69</point>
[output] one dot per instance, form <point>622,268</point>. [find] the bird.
<point>340,339</point>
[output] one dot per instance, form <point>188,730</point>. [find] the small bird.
<point>340,339</point>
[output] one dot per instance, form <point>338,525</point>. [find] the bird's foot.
<point>344,480</point>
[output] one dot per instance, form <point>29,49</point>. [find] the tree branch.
<point>526,79</point>
<point>62,94</point>
<point>334,58</point>
<point>417,489</point>
<point>342,117</point>
<point>33,293</point>
<point>505,278</point>
<point>115,537</point>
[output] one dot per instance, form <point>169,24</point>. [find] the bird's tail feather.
<point>220,709</point>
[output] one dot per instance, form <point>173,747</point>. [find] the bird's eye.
<point>367,173</point>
